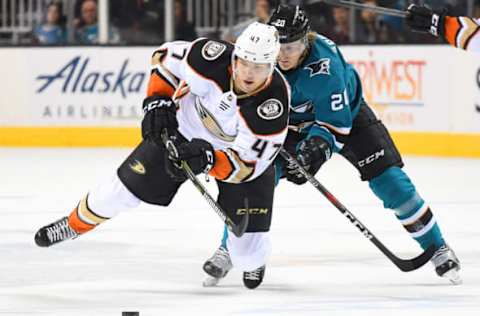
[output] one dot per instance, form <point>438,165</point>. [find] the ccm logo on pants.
<point>371,158</point>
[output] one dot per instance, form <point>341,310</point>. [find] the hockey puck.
<point>130,314</point>
<point>477,107</point>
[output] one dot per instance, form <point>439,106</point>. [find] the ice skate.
<point>217,267</point>
<point>447,264</point>
<point>54,233</point>
<point>252,279</point>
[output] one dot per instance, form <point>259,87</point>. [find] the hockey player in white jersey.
<point>230,122</point>
<point>459,31</point>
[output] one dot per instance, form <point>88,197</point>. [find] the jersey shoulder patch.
<point>266,113</point>
<point>211,59</point>
<point>213,50</point>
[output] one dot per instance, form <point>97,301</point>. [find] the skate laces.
<point>60,231</point>
<point>221,258</point>
<point>253,275</point>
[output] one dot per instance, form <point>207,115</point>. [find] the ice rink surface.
<point>150,259</point>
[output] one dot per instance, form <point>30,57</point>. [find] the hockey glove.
<point>197,153</point>
<point>424,20</point>
<point>311,154</point>
<point>160,114</point>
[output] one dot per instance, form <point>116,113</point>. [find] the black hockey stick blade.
<point>415,263</point>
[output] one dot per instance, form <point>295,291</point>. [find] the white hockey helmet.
<point>258,43</point>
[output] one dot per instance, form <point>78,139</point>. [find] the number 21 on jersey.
<point>339,100</point>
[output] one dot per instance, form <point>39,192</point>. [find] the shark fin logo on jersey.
<point>302,108</point>
<point>212,50</point>
<point>321,66</point>
<point>270,109</point>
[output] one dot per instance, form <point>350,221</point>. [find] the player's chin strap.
<point>237,229</point>
<point>402,264</point>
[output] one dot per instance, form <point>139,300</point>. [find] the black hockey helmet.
<point>291,22</point>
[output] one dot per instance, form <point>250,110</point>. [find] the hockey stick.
<point>237,230</point>
<point>402,264</point>
<point>362,6</point>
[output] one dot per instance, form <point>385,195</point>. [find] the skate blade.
<point>210,281</point>
<point>453,276</point>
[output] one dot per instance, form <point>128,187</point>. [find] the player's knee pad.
<point>369,146</point>
<point>144,174</point>
<point>393,187</point>
<point>249,251</point>
<point>110,198</point>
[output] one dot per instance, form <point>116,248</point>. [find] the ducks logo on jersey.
<point>212,50</point>
<point>270,109</point>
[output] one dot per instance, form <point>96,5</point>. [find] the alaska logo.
<point>321,66</point>
<point>76,76</point>
<point>138,167</point>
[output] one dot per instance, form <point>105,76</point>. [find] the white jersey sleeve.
<point>463,32</point>
<point>169,65</point>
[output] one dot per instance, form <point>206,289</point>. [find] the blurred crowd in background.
<point>142,22</point>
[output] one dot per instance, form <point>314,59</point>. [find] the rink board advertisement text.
<point>428,96</point>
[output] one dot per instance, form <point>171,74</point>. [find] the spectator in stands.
<point>87,29</point>
<point>340,32</point>
<point>263,9</point>
<point>476,9</point>
<point>129,17</point>
<point>184,30</point>
<point>320,14</point>
<point>373,29</point>
<point>52,32</point>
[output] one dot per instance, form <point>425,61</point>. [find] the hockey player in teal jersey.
<point>329,115</point>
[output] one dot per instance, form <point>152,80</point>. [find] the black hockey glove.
<point>311,154</point>
<point>424,20</point>
<point>197,153</point>
<point>160,114</point>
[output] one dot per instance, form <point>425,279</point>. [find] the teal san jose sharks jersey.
<point>326,94</point>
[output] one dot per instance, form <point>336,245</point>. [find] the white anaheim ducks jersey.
<point>463,32</point>
<point>246,131</point>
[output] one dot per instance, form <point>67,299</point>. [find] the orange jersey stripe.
<point>452,27</point>
<point>223,168</point>
<point>159,86</point>
<point>77,224</point>
<point>459,30</point>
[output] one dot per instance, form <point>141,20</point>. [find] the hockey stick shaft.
<point>362,6</point>
<point>237,230</point>
<point>402,264</point>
